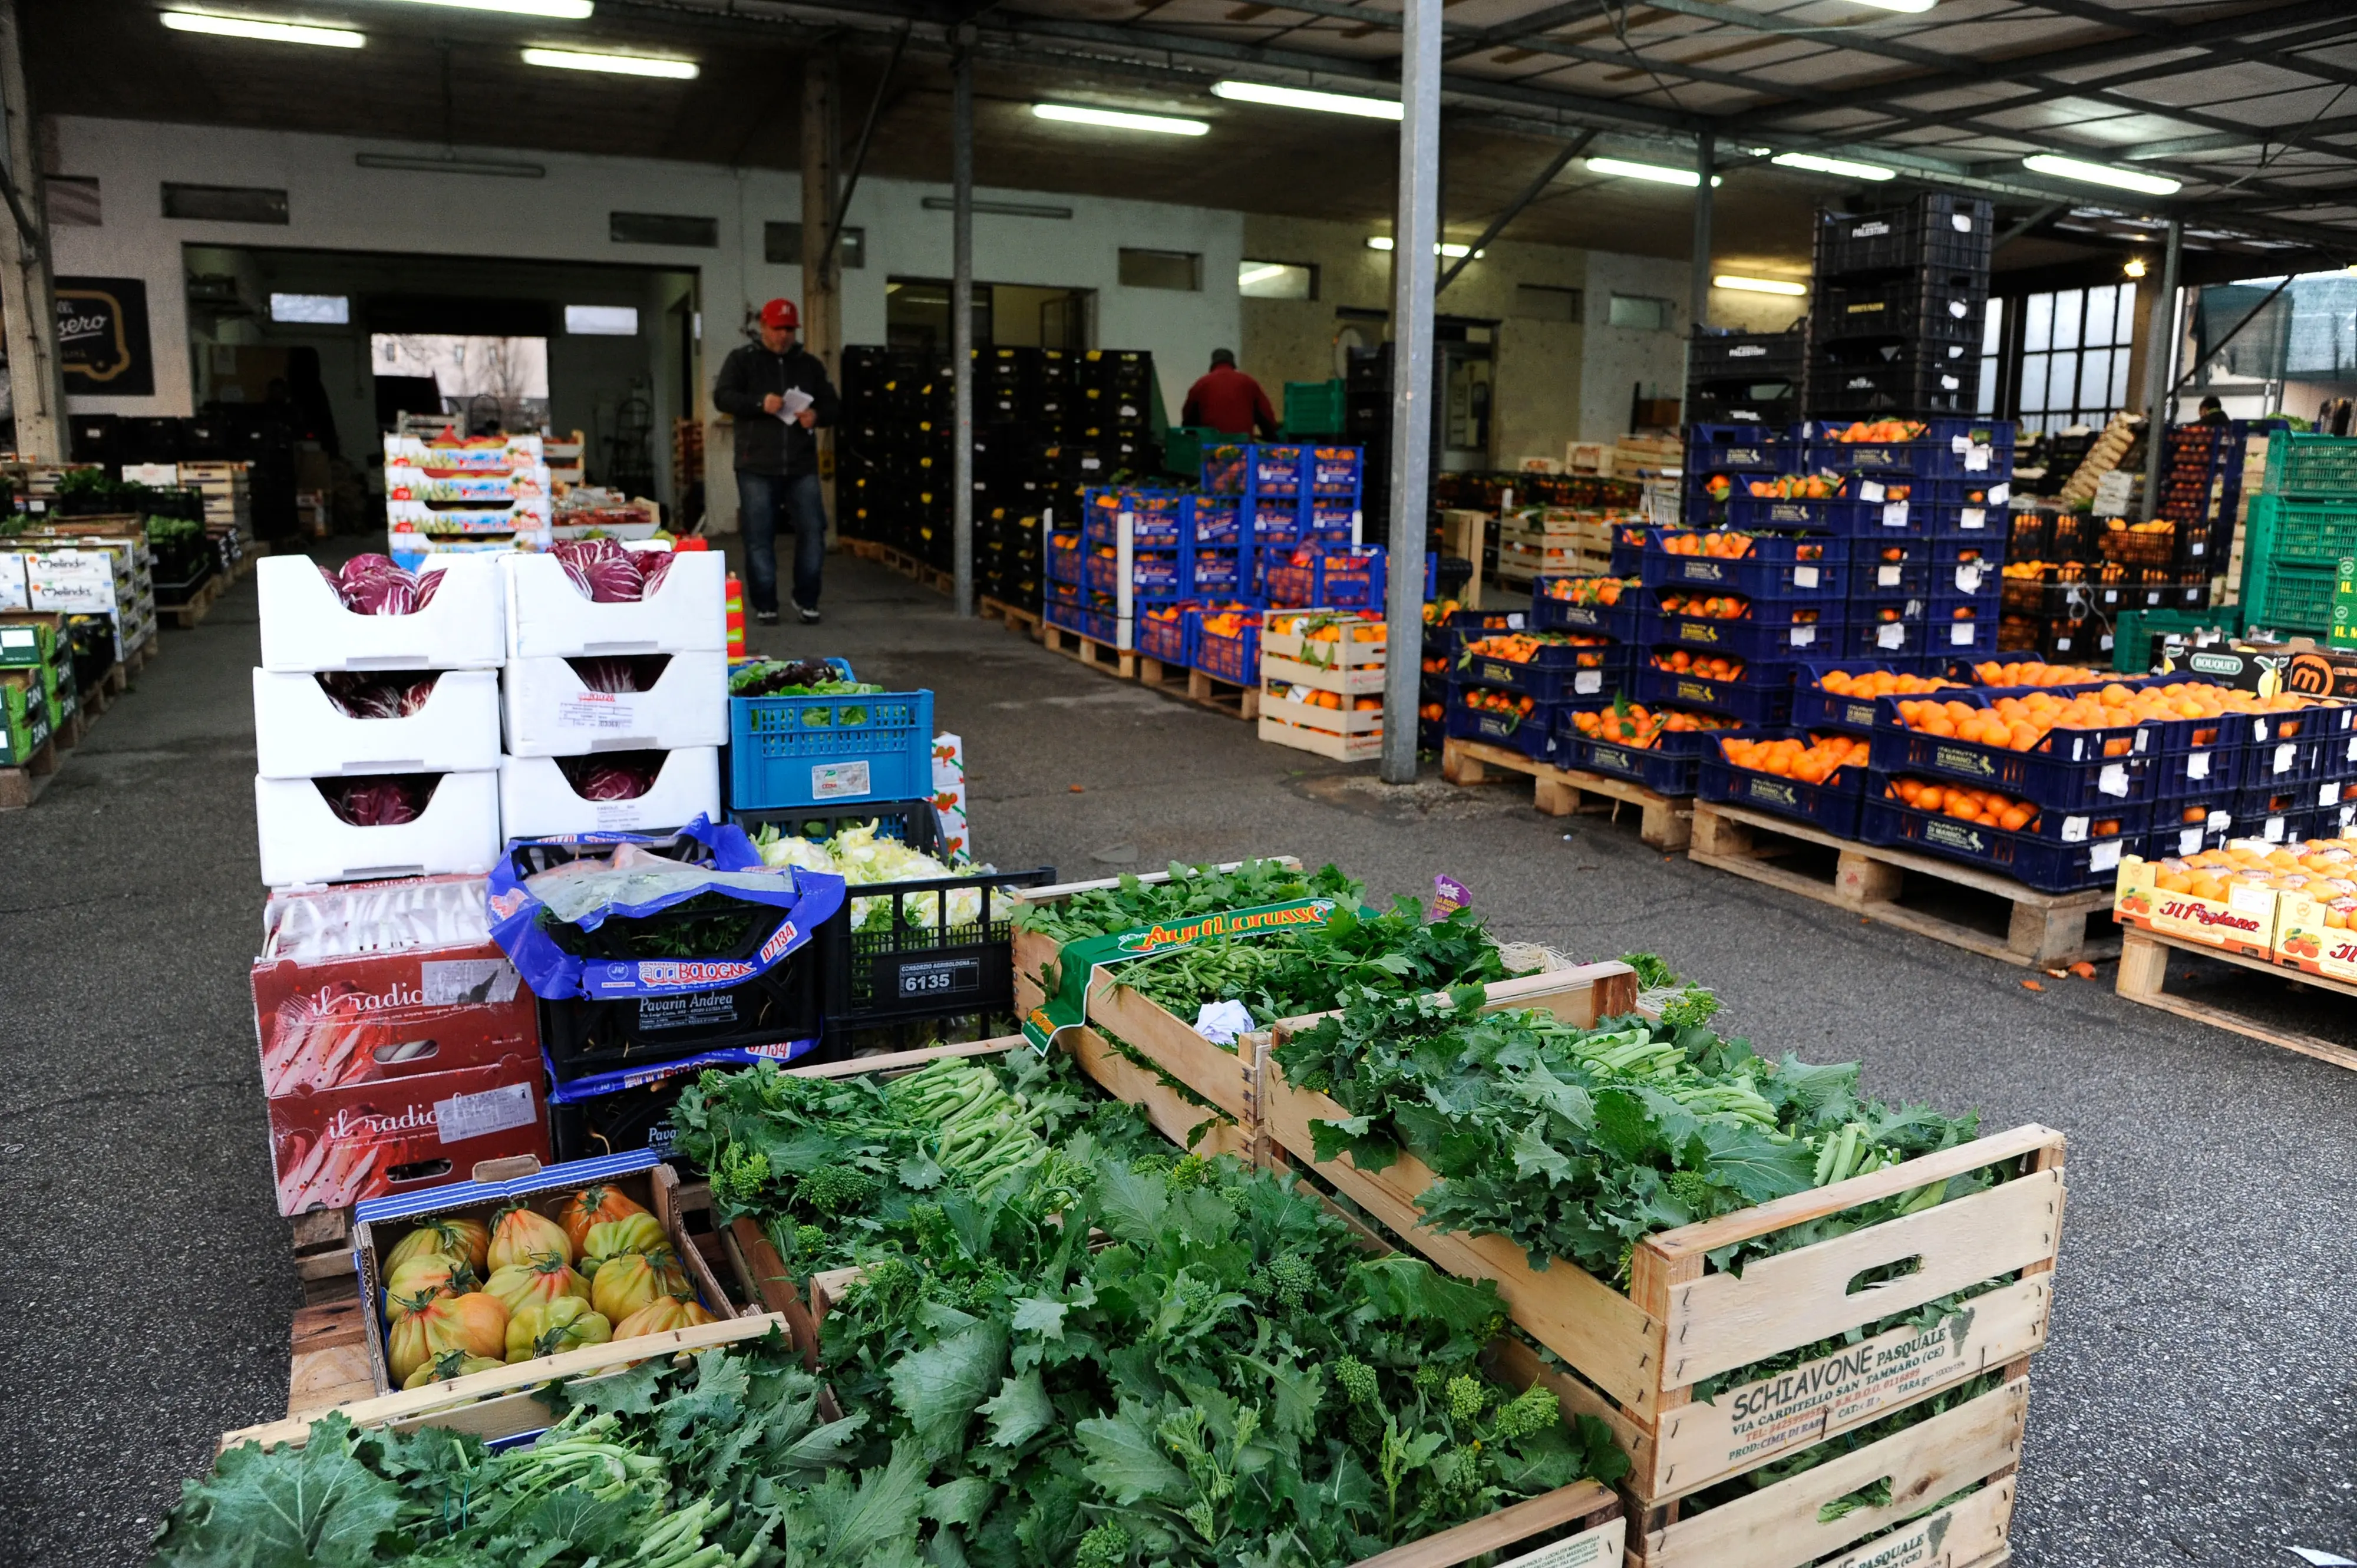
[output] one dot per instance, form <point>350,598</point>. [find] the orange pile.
<point>1797,488</point>
<point>1432,713</point>
<point>1229,623</point>
<point>1986,806</point>
<point>1482,700</point>
<point>2020,722</point>
<point>1521,647</point>
<point>1604,591</point>
<point>1879,683</point>
<point>1630,724</point>
<point>2033,673</point>
<point>1788,759</point>
<point>1711,666</point>
<point>2324,869</point>
<point>1710,607</point>
<point>1877,431</point>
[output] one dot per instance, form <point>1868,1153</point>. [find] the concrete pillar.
<point>27,292</point>
<point>962,324</point>
<point>1414,232</point>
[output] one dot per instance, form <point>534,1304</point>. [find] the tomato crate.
<point>2064,770</point>
<point>1549,613</point>
<point>1533,733</point>
<point>1763,696</point>
<point>1831,806</point>
<point>1794,632</point>
<point>1950,448</point>
<point>2042,863</point>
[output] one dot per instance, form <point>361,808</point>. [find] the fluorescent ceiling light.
<point>1842,166</point>
<point>1656,172</point>
<point>1302,98</point>
<point>1119,120</point>
<point>268,32</point>
<point>2097,174</point>
<point>555,10</point>
<point>1759,285</point>
<point>618,65</point>
<point>1383,242</point>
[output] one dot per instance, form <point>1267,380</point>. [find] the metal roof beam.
<point>2166,34</point>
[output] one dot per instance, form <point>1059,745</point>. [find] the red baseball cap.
<point>781,313</point>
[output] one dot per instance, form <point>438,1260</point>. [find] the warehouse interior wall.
<point>1626,360</point>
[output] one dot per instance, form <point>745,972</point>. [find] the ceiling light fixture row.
<point>1760,285</point>
<point>218,26</point>
<point>1120,120</point>
<point>1453,251</point>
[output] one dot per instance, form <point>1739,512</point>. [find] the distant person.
<point>2212,412</point>
<point>777,456</point>
<point>1228,401</point>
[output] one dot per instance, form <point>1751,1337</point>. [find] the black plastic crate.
<point>1767,404</point>
<point>638,1117</point>
<point>1926,307</point>
<point>1747,356</point>
<point>1848,382</point>
<point>1938,230</point>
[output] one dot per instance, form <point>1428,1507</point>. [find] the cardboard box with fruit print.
<point>2209,905</point>
<point>2315,936</point>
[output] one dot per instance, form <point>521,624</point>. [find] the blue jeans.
<point>763,500</point>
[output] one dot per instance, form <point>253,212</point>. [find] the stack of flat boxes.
<point>1900,306</point>
<point>37,685</point>
<point>98,572</point>
<point>446,496</point>
<point>229,504</point>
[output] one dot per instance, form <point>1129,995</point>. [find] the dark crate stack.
<point>1047,426</point>
<point>1747,378</point>
<point>1367,424</point>
<point>1902,295</point>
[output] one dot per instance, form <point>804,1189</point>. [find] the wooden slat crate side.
<point>1971,1533</point>
<point>1780,1527</point>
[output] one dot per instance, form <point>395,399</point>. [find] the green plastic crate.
<point>2132,638</point>
<point>2312,531</point>
<point>1314,408</point>
<point>2287,595</point>
<point>2299,464</point>
<point>1182,448</point>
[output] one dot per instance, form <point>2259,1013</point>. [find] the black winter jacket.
<point>765,443</point>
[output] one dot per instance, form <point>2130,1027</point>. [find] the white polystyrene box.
<point>300,733</point>
<point>305,625</point>
<point>549,618</point>
<point>303,840</point>
<point>536,801</point>
<point>551,711</point>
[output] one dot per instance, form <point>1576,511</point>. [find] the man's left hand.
<point>807,419</point>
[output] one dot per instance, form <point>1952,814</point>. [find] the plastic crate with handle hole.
<point>811,751</point>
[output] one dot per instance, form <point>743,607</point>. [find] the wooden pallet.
<point>1665,822</point>
<point>330,1364</point>
<point>191,613</point>
<point>898,561</point>
<point>323,1255</point>
<point>2046,930</point>
<point>1015,617</point>
<point>249,563</point>
<point>138,659</point>
<point>1205,690</point>
<point>1119,663</point>
<point>67,733</point>
<point>20,787</point>
<point>2144,975</point>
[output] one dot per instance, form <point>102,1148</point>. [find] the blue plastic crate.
<point>1211,520</point>
<point>1846,516</point>
<point>1064,559</point>
<point>1763,449</point>
<point>1275,519</point>
<point>1279,471</point>
<point>2129,821</point>
<point>1157,518</point>
<point>1337,471</point>
<point>1764,695</point>
<point>1757,640</point>
<point>817,751</point>
<point>1556,674</point>
<point>2037,862</point>
<point>1902,643</point>
<point>1973,636</point>
<point>1532,733</point>
<point>1236,660</point>
<point>1227,468</point>
<point>1814,708</point>
<point>1936,455</point>
<point>1170,640</point>
<point>2172,837</point>
<point>1831,807</point>
<point>1333,517</point>
<point>1215,572</point>
<point>2286,763</point>
<point>1152,578</point>
<point>2195,773</point>
<point>1617,620</point>
<point>1768,581</point>
<point>1993,523</point>
<point>1954,577</point>
<point>2066,770</point>
<point>1098,626</point>
<point>1662,772</point>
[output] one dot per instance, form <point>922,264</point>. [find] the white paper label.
<point>2189,842</point>
<point>2113,781</point>
<point>1515,622</point>
<point>599,713</point>
<point>1888,576</point>
<point>1804,635</point>
<point>1958,308</point>
<point>840,780</point>
<point>2285,754</point>
<point>2197,765</point>
<point>1968,577</point>
<point>1962,220</point>
<point>1869,489</point>
<point>2075,829</point>
<point>1594,1548</point>
<point>2062,645</point>
<point>2104,856</point>
<point>1892,635</point>
<point>450,982</point>
<point>2219,821</point>
<point>1894,514</point>
<point>2259,731</point>
<point>1977,459</point>
<point>2328,794</point>
<point>1804,577</point>
<point>1588,683</point>
<point>2244,898</point>
<point>2000,493</point>
<point>465,1116</point>
<point>2352,748</point>
<point>1960,445</point>
<point>2273,832</point>
<point>1961,634</point>
<point>1972,517</point>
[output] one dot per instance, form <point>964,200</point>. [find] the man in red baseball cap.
<point>778,393</point>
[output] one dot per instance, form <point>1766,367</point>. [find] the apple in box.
<point>349,1020</point>
<point>335,1147</point>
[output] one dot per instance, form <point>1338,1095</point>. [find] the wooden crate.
<point>323,1256</point>
<point>2143,977</point>
<point>1678,1326</point>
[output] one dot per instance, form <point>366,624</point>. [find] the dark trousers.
<point>764,503</point>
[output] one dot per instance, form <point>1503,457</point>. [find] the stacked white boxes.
<point>306,742</point>
<point>453,495</point>
<point>558,702</point>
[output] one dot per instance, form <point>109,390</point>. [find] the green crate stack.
<point>2292,545</point>
<point>2299,464</point>
<point>1315,408</point>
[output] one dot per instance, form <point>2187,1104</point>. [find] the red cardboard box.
<point>342,1021</point>
<point>334,1148</point>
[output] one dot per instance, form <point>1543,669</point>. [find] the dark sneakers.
<point>810,618</point>
<point>766,618</point>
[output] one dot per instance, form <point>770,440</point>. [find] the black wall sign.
<point>102,336</point>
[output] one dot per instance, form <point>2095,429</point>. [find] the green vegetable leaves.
<point>939,1388</point>
<point>315,1505</point>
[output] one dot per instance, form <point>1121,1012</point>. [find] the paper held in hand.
<point>791,403</point>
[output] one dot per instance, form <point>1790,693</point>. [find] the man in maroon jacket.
<point>1228,401</point>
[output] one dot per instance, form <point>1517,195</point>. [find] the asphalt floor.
<point>2194,1405</point>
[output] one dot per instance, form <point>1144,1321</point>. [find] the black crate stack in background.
<point>1902,295</point>
<point>1047,424</point>
<point>1747,378</point>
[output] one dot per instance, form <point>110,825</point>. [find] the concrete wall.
<point>333,204</point>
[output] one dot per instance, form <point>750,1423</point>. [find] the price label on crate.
<point>1968,577</point>
<point>2285,754</point>
<point>943,977</point>
<point>1804,637</point>
<point>1959,635</point>
<point>2197,766</point>
<point>1870,490</point>
<point>1894,514</point>
<point>2113,781</point>
<point>1888,576</point>
<point>465,1116</point>
<point>2104,856</point>
<point>1892,635</point>
<point>1972,517</point>
<point>1805,576</point>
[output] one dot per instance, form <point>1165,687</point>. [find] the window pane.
<point>2100,304</point>
<point>2119,398</point>
<point>1993,327</point>
<point>2094,381</point>
<point>2033,382</point>
<point>1640,311</point>
<point>2062,374</point>
<point>312,309</point>
<point>602,320</point>
<point>1985,401</point>
<point>2124,328</point>
<point>1276,280</point>
<point>1180,270</point>
<point>2066,319</point>
<point>2038,322</point>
